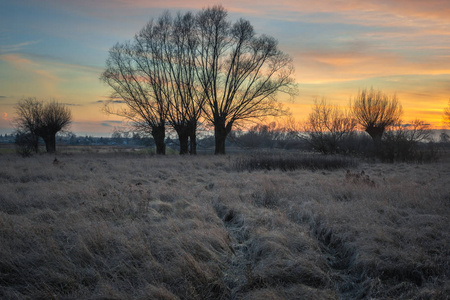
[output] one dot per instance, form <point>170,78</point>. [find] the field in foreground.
<point>121,226</point>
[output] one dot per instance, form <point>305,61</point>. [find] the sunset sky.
<point>56,49</point>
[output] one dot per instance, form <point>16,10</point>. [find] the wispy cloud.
<point>337,46</point>
<point>71,104</point>
<point>16,47</point>
<point>20,61</point>
<point>111,123</point>
<point>110,101</point>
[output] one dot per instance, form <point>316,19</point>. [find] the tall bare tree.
<point>240,73</point>
<point>327,126</point>
<point>155,76</point>
<point>176,38</point>
<point>145,104</point>
<point>44,120</point>
<point>375,111</point>
<point>177,69</point>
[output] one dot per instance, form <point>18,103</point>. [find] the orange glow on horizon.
<point>338,48</point>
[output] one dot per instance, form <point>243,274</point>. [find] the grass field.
<point>136,226</point>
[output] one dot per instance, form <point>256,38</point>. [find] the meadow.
<point>138,226</point>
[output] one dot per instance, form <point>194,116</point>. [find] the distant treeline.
<point>73,139</point>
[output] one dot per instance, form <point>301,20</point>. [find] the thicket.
<point>291,162</point>
<point>330,129</point>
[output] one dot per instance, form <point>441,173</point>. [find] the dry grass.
<point>122,226</point>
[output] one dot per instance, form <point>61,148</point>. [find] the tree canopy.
<point>375,111</point>
<point>36,119</point>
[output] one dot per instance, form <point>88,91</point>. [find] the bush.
<point>406,151</point>
<point>328,126</point>
<point>291,162</point>
<point>408,143</point>
<point>26,143</point>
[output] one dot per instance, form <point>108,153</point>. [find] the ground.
<point>132,225</point>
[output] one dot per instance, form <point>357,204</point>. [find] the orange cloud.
<point>5,116</point>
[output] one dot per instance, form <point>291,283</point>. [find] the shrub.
<point>26,143</point>
<point>291,162</point>
<point>328,126</point>
<point>408,142</point>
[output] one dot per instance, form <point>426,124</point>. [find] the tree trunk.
<point>159,134</point>
<point>193,138</point>
<point>375,133</point>
<point>221,131</point>
<point>183,138</point>
<point>193,144</point>
<point>50,142</point>
<point>35,142</point>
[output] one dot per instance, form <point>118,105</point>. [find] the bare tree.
<point>447,114</point>
<point>177,69</point>
<point>27,117</point>
<point>240,73</point>
<point>327,126</point>
<point>145,104</point>
<point>156,78</point>
<point>178,41</point>
<point>40,119</point>
<point>375,111</point>
<point>55,117</point>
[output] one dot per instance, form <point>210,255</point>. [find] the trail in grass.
<point>349,284</point>
<point>238,264</point>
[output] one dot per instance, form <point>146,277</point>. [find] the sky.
<point>56,50</point>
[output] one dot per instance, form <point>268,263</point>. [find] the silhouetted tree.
<point>327,126</point>
<point>172,43</point>
<point>155,77</point>
<point>28,112</point>
<point>447,114</point>
<point>145,105</point>
<point>54,118</point>
<point>39,119</point>
<point>178,68</point>
<point>239,72</point>
<point>375,111</point>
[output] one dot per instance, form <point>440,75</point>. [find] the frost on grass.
<point>131,226</point>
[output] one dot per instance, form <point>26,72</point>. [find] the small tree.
<point>55,117</point>
<point>447,114</point>
<point>28,112</point>
<point>327,126</point>
<point>375,111</point>
<point>38,119</point>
